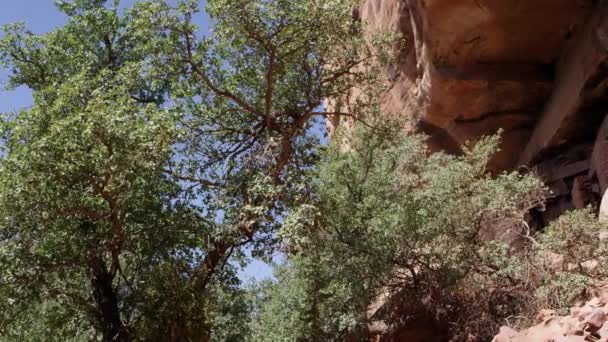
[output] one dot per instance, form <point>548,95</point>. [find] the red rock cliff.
<point>535,69</point>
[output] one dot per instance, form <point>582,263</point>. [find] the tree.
<point>151,156</point>
<point>253,94</point>
<point>392,221</point>
<point>311,300</point>
<point>84,203</point>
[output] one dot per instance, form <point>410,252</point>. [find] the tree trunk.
<point>112,328</point>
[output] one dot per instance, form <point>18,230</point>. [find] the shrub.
<point>400,222</point>
<point>570,257</point>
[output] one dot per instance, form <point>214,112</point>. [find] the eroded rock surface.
<point>583,323</point>
<point>537,70</point>
<point>468,68</point>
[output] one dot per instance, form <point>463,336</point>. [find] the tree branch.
<point>196,69</point>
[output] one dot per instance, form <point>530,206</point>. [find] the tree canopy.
<point>151,155</point>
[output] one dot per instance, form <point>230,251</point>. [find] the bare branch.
<point>200,181</point>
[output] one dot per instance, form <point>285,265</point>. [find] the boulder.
<point>596,320</point>
<point>585,323</point>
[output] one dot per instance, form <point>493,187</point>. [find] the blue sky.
<point>41,16</point>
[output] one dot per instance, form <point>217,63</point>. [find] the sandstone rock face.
<point>599,159</point>
<point>584,323</point>
<point>537,70</point>
<point>468,68</point>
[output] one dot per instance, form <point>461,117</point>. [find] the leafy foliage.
<point>571,256</point>
<point>400,231</point>
<point>310,302</point>
<point>151,156</point>
<point>392,219</point>
<point>86,209</point>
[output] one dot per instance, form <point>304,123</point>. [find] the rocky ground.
<point>585,322</point>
